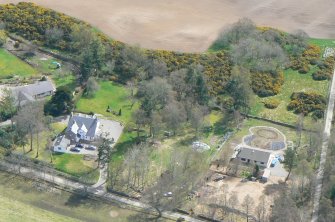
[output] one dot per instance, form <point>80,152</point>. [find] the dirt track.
<point>188,25</point>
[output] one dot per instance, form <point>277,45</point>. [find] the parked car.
<point>274,162</point>
<point>79,145</point>
<point>75,149</point>
<point>91,148</point>
<point>280,158</point>
<point>168,194</point>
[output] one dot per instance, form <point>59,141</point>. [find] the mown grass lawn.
<point>74,165</point>
<point>12,66</point>
<point>110,94</point>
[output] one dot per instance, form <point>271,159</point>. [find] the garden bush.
<point>326,69</point>
<point>304,69</point>
<point>305,103</point>
<point>309,56</point>
<point>320,75</point>
<point>267,84</point>
<point>271,103</point>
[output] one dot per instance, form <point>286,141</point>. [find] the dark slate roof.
<point>28,92</point>
<point>39,87</point>
<point>90,122</point>
<point>254,154</point>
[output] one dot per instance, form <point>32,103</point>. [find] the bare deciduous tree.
<point>247,205</point>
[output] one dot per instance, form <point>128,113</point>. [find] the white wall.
<point>59,149</point>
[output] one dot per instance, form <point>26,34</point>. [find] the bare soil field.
<point>191,26</point>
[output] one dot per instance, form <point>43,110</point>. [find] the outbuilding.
<point>266,175</point>
<point>61,144</point>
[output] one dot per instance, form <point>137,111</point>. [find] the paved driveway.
<point>278,170</point>
<point>112,128</point>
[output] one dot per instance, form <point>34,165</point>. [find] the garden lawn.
<point>110,94</point>
<point>74,165</point>
<point>11,66</point>
<point>294,82</point>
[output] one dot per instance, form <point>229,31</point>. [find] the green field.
<point>11,66</point>
<point>21,200</point>
<point>12,210</point>
<point>112,94</point>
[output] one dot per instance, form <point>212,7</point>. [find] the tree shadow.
<point>143,217</point>
<point>274,188</point>
<point>222,126</point>
<point>78,197</point>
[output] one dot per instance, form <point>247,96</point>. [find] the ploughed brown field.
<point>192,25</point>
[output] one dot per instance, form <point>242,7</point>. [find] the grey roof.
<point>90,122</point>
<point>37,88</point>
<point>254,154</point>
<point>62,142</point>
<point>29,92</point>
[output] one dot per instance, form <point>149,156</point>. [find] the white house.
<point>83,127</point>
<point>61,144</point>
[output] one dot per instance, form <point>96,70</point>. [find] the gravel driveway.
<point>112,128</point>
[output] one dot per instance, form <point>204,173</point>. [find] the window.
<point>243,159</point>
<point>59,148</point>
<point>255,161</point>
<point>262,163</point>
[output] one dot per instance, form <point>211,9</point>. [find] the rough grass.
<point>12,66</point>
<point>62,76</point>
<point>22,201</point>
<point>112,94</point>
<point>294,82</point>
<point>323,43</point>
<point>12,210</point>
